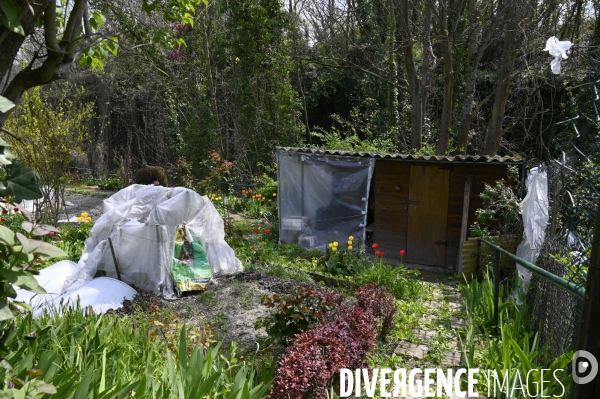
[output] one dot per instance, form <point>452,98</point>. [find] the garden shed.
<point>422,204</point>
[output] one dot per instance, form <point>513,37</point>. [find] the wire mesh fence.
<point>574,191</point>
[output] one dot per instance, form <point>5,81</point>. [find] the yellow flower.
<point>334,249</point>
<point>350,247</point>
<point>351,238</point>
<point>84,214</point>
<point>350,243</point>
<point>80,219</point>
<point>237,59</point>
<point>330,245</point>
<point>88,219</point>
<point>335,243</point>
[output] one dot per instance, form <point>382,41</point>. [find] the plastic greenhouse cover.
<point>322,198</point>
<point>142,223</point>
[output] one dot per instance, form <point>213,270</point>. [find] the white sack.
<point>101,294</point>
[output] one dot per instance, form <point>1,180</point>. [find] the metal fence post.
<point>496,286</point>
<point>588,338</point>
<point>477,258</point>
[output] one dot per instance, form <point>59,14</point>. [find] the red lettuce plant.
<point>315,357</point>
<point>381,303</point>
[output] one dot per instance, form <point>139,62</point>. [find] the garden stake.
<point>477,258</point>
<point>496,287</point>
<point>112,250</point>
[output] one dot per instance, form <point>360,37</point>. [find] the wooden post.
<point>465,220</point>
<point>588,338</point>
<point>112,250</point>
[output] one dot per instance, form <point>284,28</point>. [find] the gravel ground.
<point>77,203</point>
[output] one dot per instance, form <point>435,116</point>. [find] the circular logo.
<point>584,367</point>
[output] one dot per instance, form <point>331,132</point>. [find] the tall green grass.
<point>81,355</point>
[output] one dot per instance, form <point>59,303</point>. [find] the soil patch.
<point>231,305</point>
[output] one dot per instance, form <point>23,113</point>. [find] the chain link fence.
<point>574,192</point>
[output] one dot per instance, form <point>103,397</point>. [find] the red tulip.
<point>16,209</point>
<point>51,234</point>
<point>4,211</point>
<point>375,246</point>
<point>381,254</point>
<point>256,230</point>
<point>402,252</point>
<point>267,231</point>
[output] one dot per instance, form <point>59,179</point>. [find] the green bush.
<point>72,239</point>
<point>150,174</point>
<point>110,183</point>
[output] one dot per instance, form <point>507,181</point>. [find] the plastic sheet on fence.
<point>322,198</point>
<point>534,210</point>
<point>142,223</point>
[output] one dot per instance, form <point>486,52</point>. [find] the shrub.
<point>302,309</point>
<point>150,174</point>
<point>309,366</point>
<point>381,303</point>
<point>110,183</point>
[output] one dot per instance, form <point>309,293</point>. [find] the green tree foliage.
<point>46,137</point>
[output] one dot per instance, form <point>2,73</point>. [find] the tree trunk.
<point>59,59</point>
<point>442,144</point>
<point>469,93</point>
<point>416,114</point>
<point>511,42</point>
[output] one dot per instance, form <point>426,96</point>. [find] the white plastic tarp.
<point>534,210</point>
<point>142,222</point>
<point>100,294</point>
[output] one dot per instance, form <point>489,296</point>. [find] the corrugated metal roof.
<point>414,157</point>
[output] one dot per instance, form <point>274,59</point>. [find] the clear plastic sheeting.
<point>322,198</point>
<point>534,210</point>
<point>142,222</point>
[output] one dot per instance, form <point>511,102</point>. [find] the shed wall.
<point>390,225</point>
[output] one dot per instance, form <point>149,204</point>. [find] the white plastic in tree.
<point>557,49</point>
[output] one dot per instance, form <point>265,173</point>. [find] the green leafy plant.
<point>302,309</point>
<point>110,183</point>
<point>396,280</point>
<point>47,136</point>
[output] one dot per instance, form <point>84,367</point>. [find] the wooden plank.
<point>468,262</point>
<point>465,219</point>
<point>428,214</point>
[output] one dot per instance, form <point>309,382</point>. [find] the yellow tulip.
<point>351,238</point>
<point>84,214</point>
<point>335,243</point>
<point>350,247</point>
<point>330,245</point>
<point>334,249</point>
<point>88,219</point>
<point>80,219</point>
<point>350,242</point>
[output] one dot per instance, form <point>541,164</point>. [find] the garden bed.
<point>230,305</point>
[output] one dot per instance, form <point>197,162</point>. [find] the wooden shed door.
<point>427,215</point>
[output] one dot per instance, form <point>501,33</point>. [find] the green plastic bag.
<point>191,269</point>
